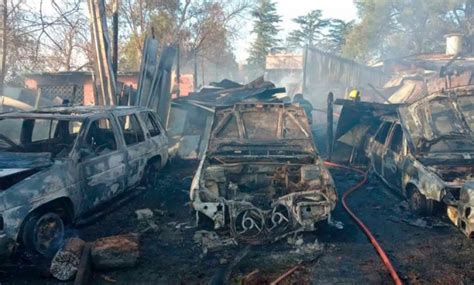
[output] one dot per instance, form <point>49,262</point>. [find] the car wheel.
<point>43,233</point>
<point>150,175</point>
<point>420,204</point>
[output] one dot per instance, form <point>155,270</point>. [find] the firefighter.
<point>307,106</point>
<point>354,95</point>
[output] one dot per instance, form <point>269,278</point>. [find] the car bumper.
<point>462,215</point>
<point>298,211</point>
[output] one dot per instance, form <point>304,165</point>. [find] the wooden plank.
<point>115,251</point>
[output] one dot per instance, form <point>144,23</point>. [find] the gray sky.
<point>289,9</point>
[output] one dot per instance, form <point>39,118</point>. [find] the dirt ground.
<point>429,252</point>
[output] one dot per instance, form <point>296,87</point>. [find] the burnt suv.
<point>427,152</point>
<point>62,163</point>
<point>261,176</point>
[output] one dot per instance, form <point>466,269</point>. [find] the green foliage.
<point>393,28</point>
<point>266,30</point>
<point>139,17</point>
<point>162,23</point>
<point>310,29</point>
<point>338,31</point>
<point>325,34</point>
<point>130,55</point>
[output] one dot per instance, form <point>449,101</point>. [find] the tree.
<point>310,29</point>
<point>44,35</point>
<point>392,28</point>
<point>17,46</point>
<point>461,16</point>
<point>137,17</point>
<point>266,30</point>
<point>325,34</point>
<point>201,28</point>
<point>54,35</point>
<point>338,30</point>
<point>4,43</point>
<point>67,44</point>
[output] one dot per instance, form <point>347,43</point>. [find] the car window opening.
<point>397,139</point>
<point>131,129</point>
<point>382,134</point>
<point>32,135</point>
<point>100,139</point>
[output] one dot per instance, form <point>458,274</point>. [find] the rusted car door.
<point>102,163</point>
<point>377,146</point>
<point>137,147</point>
<point>393,157</point>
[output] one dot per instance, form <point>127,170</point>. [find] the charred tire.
<point>43,233</point>
<point>419,203</point>
<point>150,175</point>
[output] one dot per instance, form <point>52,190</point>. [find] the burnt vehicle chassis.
<point>262,185</point>
<point>424,150</point>
<point>60,165</point>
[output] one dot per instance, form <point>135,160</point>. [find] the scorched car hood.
<point>260,130</point>
<point>14,167</point>
<point>9,160</point>
<point>440,123</point>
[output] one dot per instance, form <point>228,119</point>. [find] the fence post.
<point>330,120</point>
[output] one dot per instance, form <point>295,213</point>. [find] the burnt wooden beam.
<point>330,126</point>
<point>115,33</point>
<point>103,62</point>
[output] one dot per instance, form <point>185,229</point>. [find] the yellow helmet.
<point>354,94</point>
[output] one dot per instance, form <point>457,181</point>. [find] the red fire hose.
<point>365,229</point>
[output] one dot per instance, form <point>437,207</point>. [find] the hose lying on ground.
<point>365,229</point>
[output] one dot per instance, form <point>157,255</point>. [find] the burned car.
<point>60,164</point>
<point>261,176</point>
<point>427,152</point>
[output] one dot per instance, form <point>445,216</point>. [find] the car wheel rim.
<point>279,220</point>
<point>416,200</point>
<point>49,233</point>
<point>248,224</point>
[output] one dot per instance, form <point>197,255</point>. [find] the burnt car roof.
<point>438,116</point>
<point>359,118</point>
<point>72,112</point>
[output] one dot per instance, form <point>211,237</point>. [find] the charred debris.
<point>260,177</point>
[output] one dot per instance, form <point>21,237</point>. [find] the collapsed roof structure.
<point>191,116</point>
<point>227,92</point>
<point>416,76</point>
